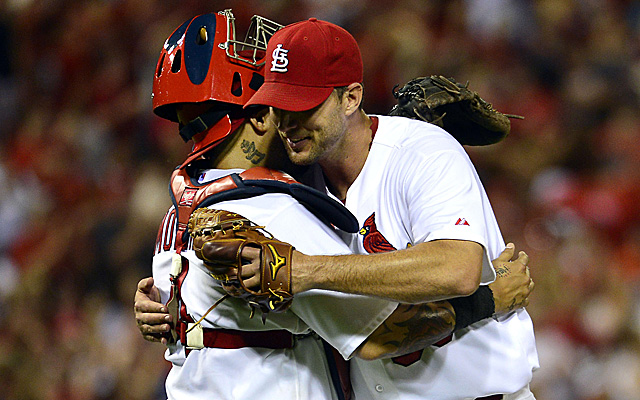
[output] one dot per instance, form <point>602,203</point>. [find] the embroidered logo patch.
<point>280,60</point>
<point>373,240</point>
<point>187,197</point>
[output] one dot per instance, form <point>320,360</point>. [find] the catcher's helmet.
<point>202,61</point>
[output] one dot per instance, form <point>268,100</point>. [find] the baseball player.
<point>427,229</point>
<point>203,77</point>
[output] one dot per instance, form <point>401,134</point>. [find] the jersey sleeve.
<point>343,320</point>
<point>446,200</point>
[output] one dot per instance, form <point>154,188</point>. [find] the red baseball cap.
<point>305,61</point>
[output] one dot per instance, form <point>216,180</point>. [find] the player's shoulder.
<point>407,133</point>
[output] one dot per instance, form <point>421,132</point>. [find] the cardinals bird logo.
<point>373,240</point>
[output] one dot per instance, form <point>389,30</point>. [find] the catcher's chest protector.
<point>188,194</point>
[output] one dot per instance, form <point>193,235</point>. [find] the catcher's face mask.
<point>203,60</point>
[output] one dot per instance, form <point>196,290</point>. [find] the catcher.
<point>217,335</point>
<point>203,78</point>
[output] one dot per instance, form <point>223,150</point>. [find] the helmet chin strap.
<point>201,123</point>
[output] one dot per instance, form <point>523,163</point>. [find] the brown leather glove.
<point>453,107</point>
<point>218,239</point>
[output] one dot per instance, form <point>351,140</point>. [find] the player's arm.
<point>454,269</point>
<point>413,327</point>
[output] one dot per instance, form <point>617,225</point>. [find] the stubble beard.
<point>305,158</point>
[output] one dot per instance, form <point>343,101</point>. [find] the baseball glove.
<point>452,106</point>
<point>218,239</point>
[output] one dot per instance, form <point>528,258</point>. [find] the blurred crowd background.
<point>84,168</point>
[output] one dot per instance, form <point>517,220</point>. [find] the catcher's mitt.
<point>218,239</point>
<point>452,106</point>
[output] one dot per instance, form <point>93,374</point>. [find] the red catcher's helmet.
<point>202,61</point>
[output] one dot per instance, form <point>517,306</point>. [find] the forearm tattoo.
<point>253,154</point>
<point>414,327</point>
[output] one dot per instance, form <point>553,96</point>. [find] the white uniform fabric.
<point>298,373</point>
<point>419,185</point>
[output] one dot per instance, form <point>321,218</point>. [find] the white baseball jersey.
<point>417,185</point>
<point>343,320</point>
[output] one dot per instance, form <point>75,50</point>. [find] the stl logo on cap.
<point>280,60</point>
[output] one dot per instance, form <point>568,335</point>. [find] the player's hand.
<point>513,283</point>
<point>251,259</point>
<point>152,317</point>
<point>251,270</point>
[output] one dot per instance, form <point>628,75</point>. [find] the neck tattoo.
<point>253,154</point>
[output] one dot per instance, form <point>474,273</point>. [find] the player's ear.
<point>352,98</point>
<point>261,121</point>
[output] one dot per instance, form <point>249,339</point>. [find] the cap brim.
<point>289,97</point>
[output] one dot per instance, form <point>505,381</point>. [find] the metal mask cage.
<point>251,50</point>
